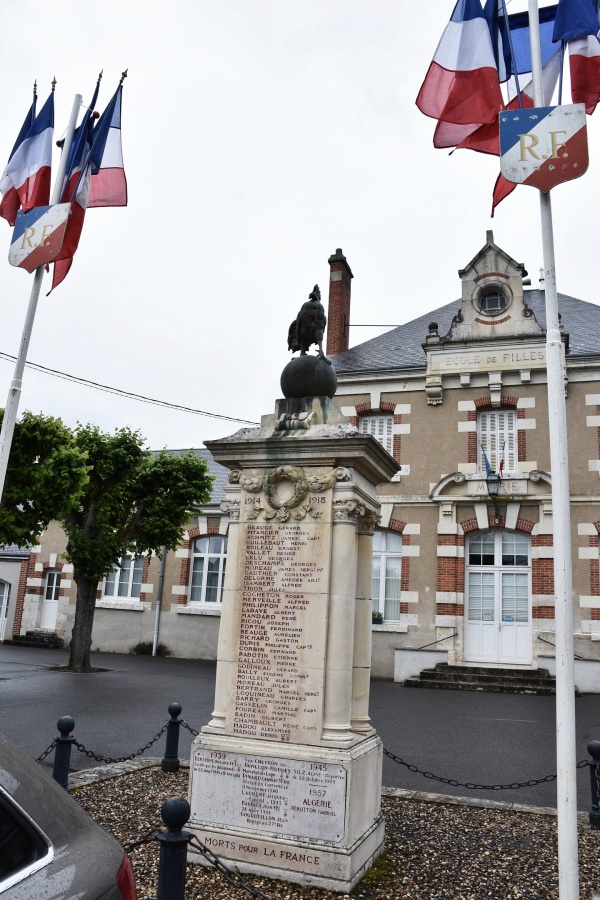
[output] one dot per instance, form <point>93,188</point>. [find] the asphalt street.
<point>466,736</point>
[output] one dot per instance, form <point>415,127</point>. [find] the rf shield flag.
<point>543,147</point>
<point>38,236</point>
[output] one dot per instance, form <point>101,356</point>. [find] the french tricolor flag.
<point>462,85</point>
<point>577,24</point>
<point>109,185</point>
<point>584,64</point>
<point>95,176</point>
<point>25,182</point>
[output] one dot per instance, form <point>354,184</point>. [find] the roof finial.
<point>123,76</point>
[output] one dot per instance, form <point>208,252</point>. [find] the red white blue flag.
<point>25,182</point>
<point>584,64</point>
<point>577,23</point>
<point>109,185</point>
<point>75,190</point>
<point>463,124</point>
<point>93,146</point>
<point>488,469</point>
<point>461,86</point>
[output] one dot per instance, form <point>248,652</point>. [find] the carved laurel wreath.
<point>301,482</point>
<point>295,476</point>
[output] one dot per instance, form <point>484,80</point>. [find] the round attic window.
<point>492,301</point>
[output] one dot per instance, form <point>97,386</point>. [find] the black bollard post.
<point>170,761</point>
<point>173,849</point>
<point>62,753</point>
<point>594,764</point>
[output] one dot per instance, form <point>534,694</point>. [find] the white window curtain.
<point>208,569</point>
<point>387,574</point>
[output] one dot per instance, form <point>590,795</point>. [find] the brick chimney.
<point>338,313</point>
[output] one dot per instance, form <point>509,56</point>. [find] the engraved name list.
<point>279,684</point>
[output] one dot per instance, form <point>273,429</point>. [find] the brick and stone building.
<point>455,575</point>
<point>467,578</point>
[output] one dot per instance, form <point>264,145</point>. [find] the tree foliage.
<point>133,501</point>
<point>46,473</point>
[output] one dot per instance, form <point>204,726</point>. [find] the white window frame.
<point>381,555</point>
<point>381,426</point>
<point>52,584</point>
<point>126,578</point>
<point>497,429</point>
<point>495,292</point>
<point>4,605</point>
<point>201,559</point>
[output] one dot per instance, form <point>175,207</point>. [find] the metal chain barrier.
<point>149,838</point>
<point>234,878</point>
<point>46,752</point>
<point>109,759</point>
<point>470,785</point>
<point>189,728</point>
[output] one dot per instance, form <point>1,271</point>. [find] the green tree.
<point>46,473</point>
<point>133,502</point>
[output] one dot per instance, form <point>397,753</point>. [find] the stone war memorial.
<point>285,779</point>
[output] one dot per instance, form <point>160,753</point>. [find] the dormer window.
<point>492,301</point>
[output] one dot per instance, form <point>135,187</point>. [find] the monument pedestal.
<point>304,814</point>
<point>285,780</point>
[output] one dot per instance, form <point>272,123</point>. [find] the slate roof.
<point>12,551</point>
<point>401,348</point>
<point>219,473</point>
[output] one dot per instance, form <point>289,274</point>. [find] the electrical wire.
<point>128,394</point>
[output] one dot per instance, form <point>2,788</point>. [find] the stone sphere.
<point>308,376</point>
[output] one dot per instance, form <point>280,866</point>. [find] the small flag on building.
<point>488,468</point>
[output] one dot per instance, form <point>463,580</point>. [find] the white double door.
<point>498,586</point>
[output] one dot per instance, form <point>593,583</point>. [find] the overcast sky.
<point>258,136</point>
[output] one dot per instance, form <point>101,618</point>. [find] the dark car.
<point>49,847</point>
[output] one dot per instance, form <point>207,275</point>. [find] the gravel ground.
<point>434,850</point>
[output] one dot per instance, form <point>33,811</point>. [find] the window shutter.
<point>497,431</point>
<point>380,427</point>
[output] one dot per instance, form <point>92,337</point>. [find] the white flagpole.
<point>566,784</point>
<point>14,393</point>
